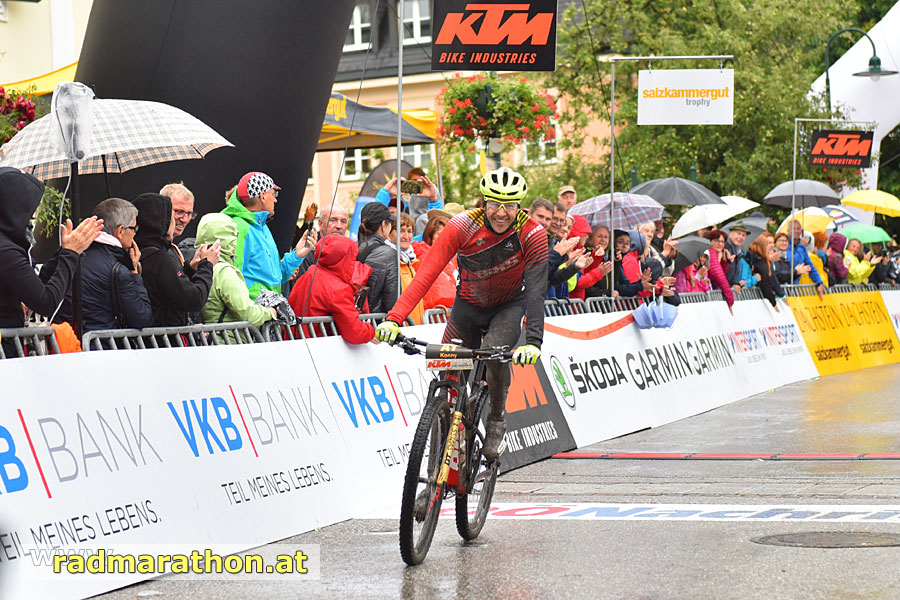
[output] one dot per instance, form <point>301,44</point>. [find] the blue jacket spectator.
<point>250,205</point>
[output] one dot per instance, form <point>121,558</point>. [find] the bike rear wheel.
<point>417,524</point>
<point>473,506</point>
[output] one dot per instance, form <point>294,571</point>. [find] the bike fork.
<point>447,459</point>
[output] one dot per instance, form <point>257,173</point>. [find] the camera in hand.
<point>411,187</point>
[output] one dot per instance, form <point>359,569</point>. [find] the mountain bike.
<point>446,455</point>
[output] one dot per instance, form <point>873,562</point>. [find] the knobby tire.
<point>428,446</point>
<point>481,480</point>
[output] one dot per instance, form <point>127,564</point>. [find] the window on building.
<point>418,155</point>
<point>540,153</point>
<point>416,21</point>
<point>359,36</point>
<point>358,163</point>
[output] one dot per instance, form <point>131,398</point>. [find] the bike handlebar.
<point>413,346</point>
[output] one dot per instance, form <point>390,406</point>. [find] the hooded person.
<point>326,289</point>
<point>20,195</point>
<point>630,246</point>
<point>173,295</point>
<point>229,299</point>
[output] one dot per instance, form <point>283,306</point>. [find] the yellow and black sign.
<point>846,332</point>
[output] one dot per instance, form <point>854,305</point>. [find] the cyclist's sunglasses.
<point>510,206</point>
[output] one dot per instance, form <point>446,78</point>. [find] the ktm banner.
<point>490,34</point>
<point>841,149</point>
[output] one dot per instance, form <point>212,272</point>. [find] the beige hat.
<point>564,189</point>
<point>437,212</point>
<point>453,209</point>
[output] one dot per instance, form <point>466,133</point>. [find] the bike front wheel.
<point>422,497</point>
<point>472,507</point>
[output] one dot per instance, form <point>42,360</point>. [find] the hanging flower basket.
<point>485,107</point>
<point>16,111</point>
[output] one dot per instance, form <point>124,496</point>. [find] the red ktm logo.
<point>842,144</point>
<point>516,29</point>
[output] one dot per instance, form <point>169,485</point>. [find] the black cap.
<point>374,213</point>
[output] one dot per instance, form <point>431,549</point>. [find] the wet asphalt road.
<point>655,558</point>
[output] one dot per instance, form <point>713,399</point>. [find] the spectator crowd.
<point>137,270</point>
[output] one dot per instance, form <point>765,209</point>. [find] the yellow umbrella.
<point>813,219</point>
<point>875,201</point>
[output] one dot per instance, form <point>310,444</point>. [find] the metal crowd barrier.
<point>844,288</point>
<point>314,327</point>
<point>751,293</point>
<point>805,289</point>
<point>604,304</point>
<point>41,341</point>
<point>436,315</point>
<point>29,341</point>
<point>693,297</point>
<point>211,334</point>
<point>556,307</point>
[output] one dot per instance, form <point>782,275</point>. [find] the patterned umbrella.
<point>629,210</point>
<point>126,133</point>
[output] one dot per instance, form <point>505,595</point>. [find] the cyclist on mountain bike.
<point>502,256</point>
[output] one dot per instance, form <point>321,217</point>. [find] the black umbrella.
<point>675,190</point>
<point>753,225</point>
<point>689,250</point>
<point>804,192</point>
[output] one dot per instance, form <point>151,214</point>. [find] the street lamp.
<point>875,72</point>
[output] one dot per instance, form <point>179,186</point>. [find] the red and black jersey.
<point>493,268</point>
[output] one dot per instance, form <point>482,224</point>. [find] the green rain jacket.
<point>229,292</point>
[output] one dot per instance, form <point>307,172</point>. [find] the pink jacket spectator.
<point>717,276</point>
<point>686,280</point>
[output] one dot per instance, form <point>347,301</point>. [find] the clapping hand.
<point>669,247</point>
<point>575,254</point>
<point>584,261</point>
<point>79,238</point>
<point>605,268</point>
<point>645,280</point>
<point>563,247</point>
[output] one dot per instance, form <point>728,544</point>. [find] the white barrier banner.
<point>223,448</point>
<point>612,378</point>
<point>892,303</point>
<point>686,97</point>
<point>377,394</point>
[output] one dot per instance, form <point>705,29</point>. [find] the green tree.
<point>777,50</point>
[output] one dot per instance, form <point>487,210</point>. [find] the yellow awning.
<point>45,84</point>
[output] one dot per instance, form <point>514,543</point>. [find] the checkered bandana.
<point>254,184</point>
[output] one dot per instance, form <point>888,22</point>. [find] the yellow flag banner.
<point>846,332</point>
